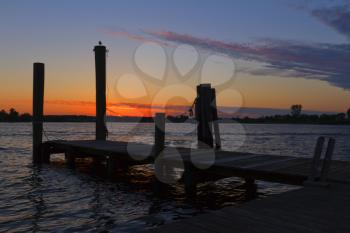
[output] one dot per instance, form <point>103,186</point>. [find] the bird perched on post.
<point>99,43</point>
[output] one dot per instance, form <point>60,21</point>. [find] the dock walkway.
<point>284,169</point>
<point>313,208</point>
<point>307,210</point>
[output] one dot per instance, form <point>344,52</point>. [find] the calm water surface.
<point>53,198</point>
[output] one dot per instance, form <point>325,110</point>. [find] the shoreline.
<point>228,121</point>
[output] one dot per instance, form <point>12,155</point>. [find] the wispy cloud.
<point>283,58</point>
<point>333,13</point>
<point>324,61</point>
<point>133,36</point>
<point>337,17</point>
<point>124,33</point>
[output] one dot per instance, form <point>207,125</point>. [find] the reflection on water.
<point>55,198</point>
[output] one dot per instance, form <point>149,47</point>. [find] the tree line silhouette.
<point>14,116</point>
<point>295,116</point>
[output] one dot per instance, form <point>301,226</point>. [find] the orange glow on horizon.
<point>67,107</point>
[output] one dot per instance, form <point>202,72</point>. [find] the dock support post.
<point>159,133</point>
<point>45,153</point>
<point>327,160</point>
<point>100,64</point>
<point>315,164</point>
<point>38,109</point>
<point>319,169</point>
<point>111,166</point>
<point>190,181</point>
<point>204,116</point>
<point>250,188</point>
<point>70,159</point>
<point>159,144</point>
<point>215,119</point>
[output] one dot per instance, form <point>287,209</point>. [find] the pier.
<point>320,206</point>
<point>307,210</point>
<point>282,169</point>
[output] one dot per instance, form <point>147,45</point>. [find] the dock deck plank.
<point>307,210</point>
<point>285,169</point>
<point>310,209</point>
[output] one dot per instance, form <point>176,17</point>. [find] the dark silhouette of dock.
<point>307,210</point>
<point>320,206</point>
<point>283,169</point>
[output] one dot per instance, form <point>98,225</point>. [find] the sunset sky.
<point>284,53</point>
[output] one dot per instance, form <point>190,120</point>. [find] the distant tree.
<point>25,117</point>
<point>348,113</point>
<point>13,115</point>
<point>340,117</point>
<point>295,110</point>
<point>3,115</point>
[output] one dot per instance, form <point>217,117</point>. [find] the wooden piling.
<point>70,159</point>
<point>111,166</point>
<point>38,109</point>
<point>159,188</point>
<point>204,116</point>
<point>100,64</point>
<point>215,119</point>
<point>327,160</point>
<point>190,180</point>
<point>159,133</point>
<point>250,188</point>
<point>45,153</point>
<point>315,164</point>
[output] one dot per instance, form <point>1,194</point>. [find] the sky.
<point>263,55</point>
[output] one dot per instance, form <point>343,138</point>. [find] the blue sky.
<point>62,34</point>
<point>239,21</point>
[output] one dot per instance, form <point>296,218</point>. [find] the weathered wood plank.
<point>308,210</point>
<point>302,210</point>
<point>283,169</point>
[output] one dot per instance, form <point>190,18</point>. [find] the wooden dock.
<point>283,169</point>
<point>198,164</point>
<point>307,210</point>
<point>322,206</point>
<point>316,207</point>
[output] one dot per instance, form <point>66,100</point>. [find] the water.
<point>53,198</point>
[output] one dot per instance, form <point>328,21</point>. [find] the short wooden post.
<point>45,153</point>
<point>315,164</point>
<point>38,109</point>
<point>100,63</point>
<point>204,115</point>
<point>215,119</point>
<point>250,188</point>
<point>159,143</point>
<point>190,180</point>
<point>111,166</point>
<point>159,133</point>
<point>70,159</point>
<point>327,159</point>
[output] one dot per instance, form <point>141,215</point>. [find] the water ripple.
<point>53,198</point>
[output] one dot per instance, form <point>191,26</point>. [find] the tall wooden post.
<point>100,64</point>
<point>38,106</point>
<point>204,115</point>
<point>215,119</point>
<point>159,134</point>
<point>159,188</point>
<point>326,166</point>
<point>314,169</point>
